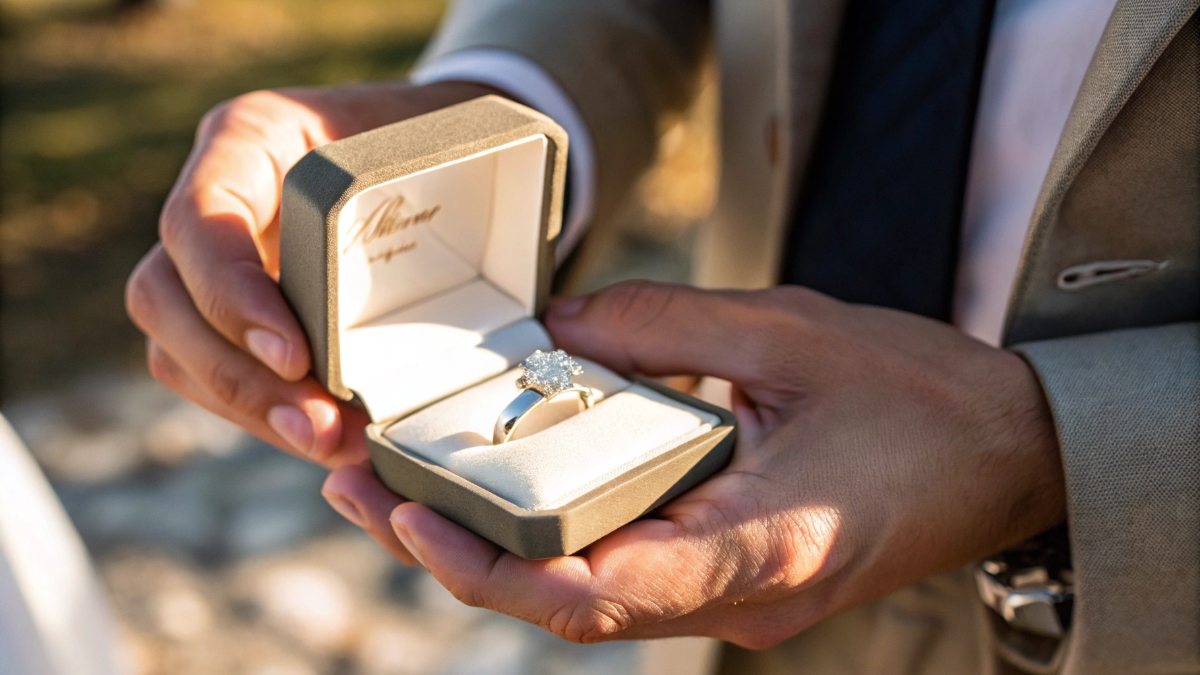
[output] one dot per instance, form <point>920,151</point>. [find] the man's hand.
<point>875,448</point>
<point>219,331</point>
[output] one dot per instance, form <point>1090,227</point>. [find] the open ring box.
<point>417,257</point>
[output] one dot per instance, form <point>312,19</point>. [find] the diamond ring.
<point>547,375</point>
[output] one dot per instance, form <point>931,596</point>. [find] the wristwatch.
<point>1031,587</point>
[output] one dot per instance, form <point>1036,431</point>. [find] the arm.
<point>1126,405</point>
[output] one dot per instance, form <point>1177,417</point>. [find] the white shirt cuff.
<point>525,80</point>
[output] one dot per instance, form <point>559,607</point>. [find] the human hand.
<point>218,329</point>
<point>875,448</point>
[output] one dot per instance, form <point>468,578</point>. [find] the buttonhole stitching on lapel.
<point>1079,277</point>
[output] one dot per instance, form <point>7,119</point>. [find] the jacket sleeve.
<point>1127,409</point>
<point>627,65</point>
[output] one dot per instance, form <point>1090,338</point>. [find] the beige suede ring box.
<point>417,257</point>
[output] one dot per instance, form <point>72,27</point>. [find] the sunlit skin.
<point>875,447</point>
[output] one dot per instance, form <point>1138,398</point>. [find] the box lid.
<point>429,234</point>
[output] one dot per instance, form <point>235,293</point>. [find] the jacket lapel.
<point>1136,36</point>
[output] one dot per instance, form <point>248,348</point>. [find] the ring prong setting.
<point>549,373</point>
<point>545,375</point>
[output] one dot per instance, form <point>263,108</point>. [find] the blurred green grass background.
<point>99,103</point>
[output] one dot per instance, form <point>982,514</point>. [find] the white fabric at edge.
<point>54,617</point>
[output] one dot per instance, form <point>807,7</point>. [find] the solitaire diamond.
<point>546,375</point>
<point>549,373</point>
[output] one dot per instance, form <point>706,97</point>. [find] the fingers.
<point>167,371</point>
<point>480,574</point>
<point>218,225</point>
<point>666,329</point>
<point>225,278</point>
<point>206,368</point>
<point>356,493</point>
<point>629,585</point>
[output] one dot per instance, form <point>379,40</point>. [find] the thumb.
<point>661,329</point>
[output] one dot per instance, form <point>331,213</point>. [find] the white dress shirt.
<point>1037,56</point>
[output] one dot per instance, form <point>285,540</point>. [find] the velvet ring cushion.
<point>559,453</point>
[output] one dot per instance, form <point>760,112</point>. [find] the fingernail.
<point>269,348</point>
<point>406,540</point>
<point>293,425</point>
<point>346,508</point>
<point>564,308</point>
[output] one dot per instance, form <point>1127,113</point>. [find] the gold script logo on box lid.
<point>391,218</point>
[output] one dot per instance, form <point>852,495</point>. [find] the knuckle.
<point>142,288</point>
<point>800,551</point>
<point>785,567</point>
<point>254,111</point>
<point>770,339</point>
<point>471,597</point>
<point>214,117</point>
<point>139,298</point>
<point>594,620</point>
<point>213,305</point>
<point>803,310</point>
<point>227,385</point>
<point>760,637</point>
<point>252,101</point>
<point>161,367</point>
<point>233,109</point>
<point>468,594</point>
<point>226,299</point>
<point>172,221</point>
<point>797,297</point>
<point>634,304</point>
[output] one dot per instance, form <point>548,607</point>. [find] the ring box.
<point>417,257</point>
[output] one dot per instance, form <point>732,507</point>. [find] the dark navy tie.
<point>878,217</point>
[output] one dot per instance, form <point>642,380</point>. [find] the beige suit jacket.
<point>1119,360</point>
